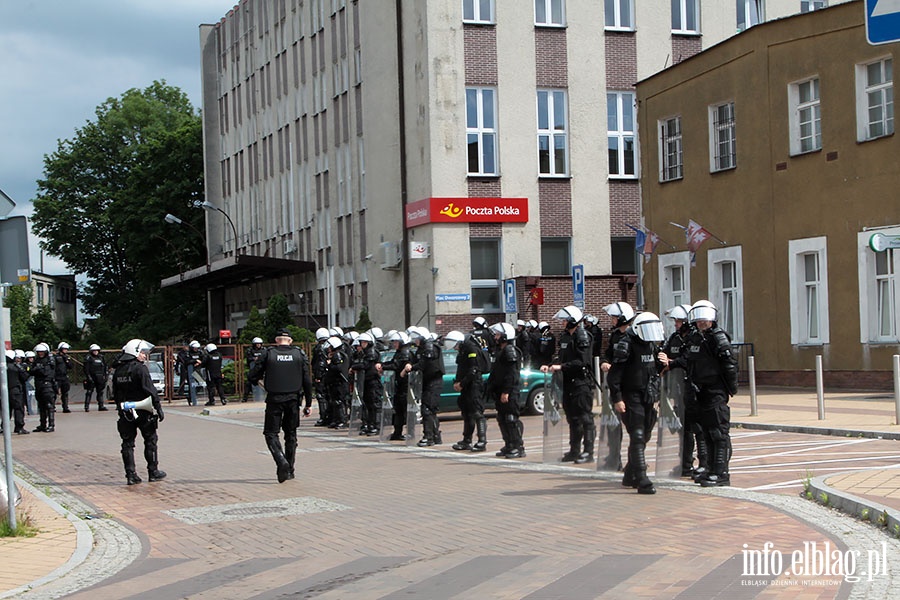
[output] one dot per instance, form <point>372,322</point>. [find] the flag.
<point>694,236</point>
<point>639,238</point>
<point>650,244</point>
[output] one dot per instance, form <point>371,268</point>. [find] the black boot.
<point>481,429</point>
<point>637,459</point>
<point>590,432</point>
<point>283,468</point>
<point>131,478</point>
<point>719,474</point>
<point>51,420</point>
<point>290,454</point>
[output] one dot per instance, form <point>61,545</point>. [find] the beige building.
<point>59,292</point>
<point>411,156</point>
<point>780,142</point>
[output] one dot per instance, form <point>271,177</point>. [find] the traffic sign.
<point>510,303</point>
<point>14,265</point>
<point>882,21</point>
<point>578,286</point>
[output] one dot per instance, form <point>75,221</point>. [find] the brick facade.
<point>684,47</point>
<point>624,206</point>
<point>621,60</point>
<point>551,57</point>
<point>555,196</point>
<point>480,54</point>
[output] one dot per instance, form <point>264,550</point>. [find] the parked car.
<point>158,376</point>
<point>531,395</point>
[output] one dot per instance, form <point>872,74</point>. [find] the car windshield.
<point>155,368</point>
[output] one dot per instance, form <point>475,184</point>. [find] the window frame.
<point>476,11</point>
<point>664,139</point>
<point>868,290</point>
<point>548,6</point>
<point>553,132</point>
<point>567,267</point>
<point>812,5</point>
<point>682,6</point>
<point>748,6</point>
<point>798,285</point>
<point>667,294</point>
<point>617,15</point>
<point>716,257</point>
<point>482,132</point>
<point>621,135</point>
<point>722,132</point>
<point>796,121</point>
<point>492,284</point>
<point>863,107</point>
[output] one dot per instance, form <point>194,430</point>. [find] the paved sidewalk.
<point>93,472</point>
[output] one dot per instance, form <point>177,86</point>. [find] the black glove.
<point>160,414</point>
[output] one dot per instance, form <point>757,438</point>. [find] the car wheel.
<point>535,403</point>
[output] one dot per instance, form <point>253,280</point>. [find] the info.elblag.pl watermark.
<point>808,565</point>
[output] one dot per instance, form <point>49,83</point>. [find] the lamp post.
<point>170,218</point>
<point>207,205</point>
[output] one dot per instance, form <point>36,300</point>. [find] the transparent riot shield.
<point>609,446</point>
<point>387,406</point>
<point>7,491</point>
<point>670,427</point>
<point>413,403</point>
<point>356,404</point>
<point>259,393</point>
<point>555,426</point>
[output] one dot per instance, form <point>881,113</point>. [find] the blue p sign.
<point>578,285</point>
<point>510,304</point>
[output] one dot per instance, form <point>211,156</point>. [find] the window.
<point>726,289</point>
<point>805,117</point>
<point>481,131</point>
<point>620,133</point>
<point>878,309</point>
<point>875,99</point>
<point>550,12</point>
<point>722,147</point>
<point>623,257</point>
<point>478,11</point>
<point>811,5</point>
<point>40,294</point>
<point>674,282</point>
<point>670,151</point>
<point>619,14</point>
<point>685,16</point>
<point>485,275</point>
<point>555,256</point>
<point>749,13</point>
<point>808,272</point>
<point>552,133</point>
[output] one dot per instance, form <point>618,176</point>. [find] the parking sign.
<point>510,304</point>
<point>882,21</point>
<point>578,286</point>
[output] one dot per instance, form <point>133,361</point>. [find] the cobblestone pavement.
<point>373,520</point>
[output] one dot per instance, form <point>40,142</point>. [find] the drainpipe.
<point>404,191</point>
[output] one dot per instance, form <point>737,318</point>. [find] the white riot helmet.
<point>194,344</point>
<point>399,336</point>
<point>366,337</point>
<point>572,315</point>
<point>19,354</point>
<point>543,326</point>
<point>505,330</point>
<point>11,355</point>
<point>351,336</point>
<point>679,312</point>
<point>479,322</point>
<point>211,348</point>
<point>389,336</point>
<point>338,331</point>
<point>256,340</point>
<point>703,310</point>
<point>62,346</point>
<point>334,342</point>
<point>648,327</point>
<point>322,334</point>
<point>533,324</point>
<point>136,346</point>
<point>376,333</point>
<point>621,310</point>
<point>452,339</point>
<point>520,323</point>
<point>417,333</point>
<point>42,347</point>
<point>94,347</point>
<point>29,354</point>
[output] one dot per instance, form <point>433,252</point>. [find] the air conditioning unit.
<point>289,247</point>
<point>391,255</point>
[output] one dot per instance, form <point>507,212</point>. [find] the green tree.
<point>18,301</point>
<point>364,323</point>
<point>277,315</point>
<point>102,202</point>
<point>255,327</point>
<point>42,328</point>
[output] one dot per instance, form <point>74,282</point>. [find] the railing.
<point>743,352</point>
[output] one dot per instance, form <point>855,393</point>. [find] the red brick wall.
<point>480,43</point>
<point>484,188</point>
<point>684,47</point>
<point>621,60</point>
<point>555,198</point>
<point>624,206</point>
<point>551,57</point>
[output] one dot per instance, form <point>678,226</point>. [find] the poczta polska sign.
<point>466,210</point>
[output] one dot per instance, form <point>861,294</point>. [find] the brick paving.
<point>418,522</point>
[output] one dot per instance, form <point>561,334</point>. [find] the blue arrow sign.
<point>882,21</point>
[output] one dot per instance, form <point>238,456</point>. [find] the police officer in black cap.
<point>284,371</point>
<point>131,385</point>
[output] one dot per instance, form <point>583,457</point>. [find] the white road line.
<point>813,462</point>
<point>789,452</point>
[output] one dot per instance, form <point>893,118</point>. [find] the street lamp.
<point>170,218</point>
<point>207,205</point>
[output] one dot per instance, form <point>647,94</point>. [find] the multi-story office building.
<point>781,143</point>
<point>59,292</point>
<point>409,156</point>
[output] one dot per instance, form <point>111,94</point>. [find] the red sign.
<point>224,333</point>
<point>467,210</point>
<point>536,297</point>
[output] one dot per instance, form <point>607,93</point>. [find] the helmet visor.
<point>702,313</point>
<point>650,331</point>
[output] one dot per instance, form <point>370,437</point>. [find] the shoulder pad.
<point>509,353</point>
<point>621,349</point>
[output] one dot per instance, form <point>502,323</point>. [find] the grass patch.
<point>25,525</point>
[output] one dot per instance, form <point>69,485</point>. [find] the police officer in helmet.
<point>95,377</point>
<point>251,355</point>
<point>472,361</point>
<point>503,387</point>
<point>132,384</point>
<point>43,371</point>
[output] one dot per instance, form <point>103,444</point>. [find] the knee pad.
<point>638,435</point>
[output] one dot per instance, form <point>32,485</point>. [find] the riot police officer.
<point>368,362</point>
<point>62,364</point>
<point>251,355</point>
<point>574,361</point>
<point>503,387</point>
<point>621,315</point>
<point>430,362</point>
<point>545,348</point>
<point>337,381</point>
<point>212,362</point>
<point>472,362</point>
<point>43,370</point>
<point>285,371</point>
<point>634,391</point>
<point>482,333</point>
<point>523,341</point>
<point>16,376</point>
<point>195,360</point>
<point>132,384</point>
<point>95,377</point>
<point>397,364</point>
<point>182,362</point>
<point>319,365</point>
<point>713,371</point>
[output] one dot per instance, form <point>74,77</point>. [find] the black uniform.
<point>16,376</point>
<point>195,362</point>
<point>575,345</point>
<point>401,388</point>
<point>524,343</point>
<point>337,382</point>
<point>692,433</point>
<point>545,349</point>
<point>712,369</point>
<point>62,364</point>
<point>614,433</point>
<point>183,363</point>
<point>43,372</point>
<point>365,362</point>
<point>212,362</point>
<point>285,372</point>
<point>95,380</point>
<point>430,361</point>
<point>319,366</point>
<point>471,363</point>
<point>505,379</point>
<point>634,380</point>
<point>250,355</point>
<point>132,383</point>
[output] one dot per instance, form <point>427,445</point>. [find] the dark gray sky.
<point>60,59</point>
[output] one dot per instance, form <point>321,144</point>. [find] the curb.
<point>868,511</point>
<point>833,431</point>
